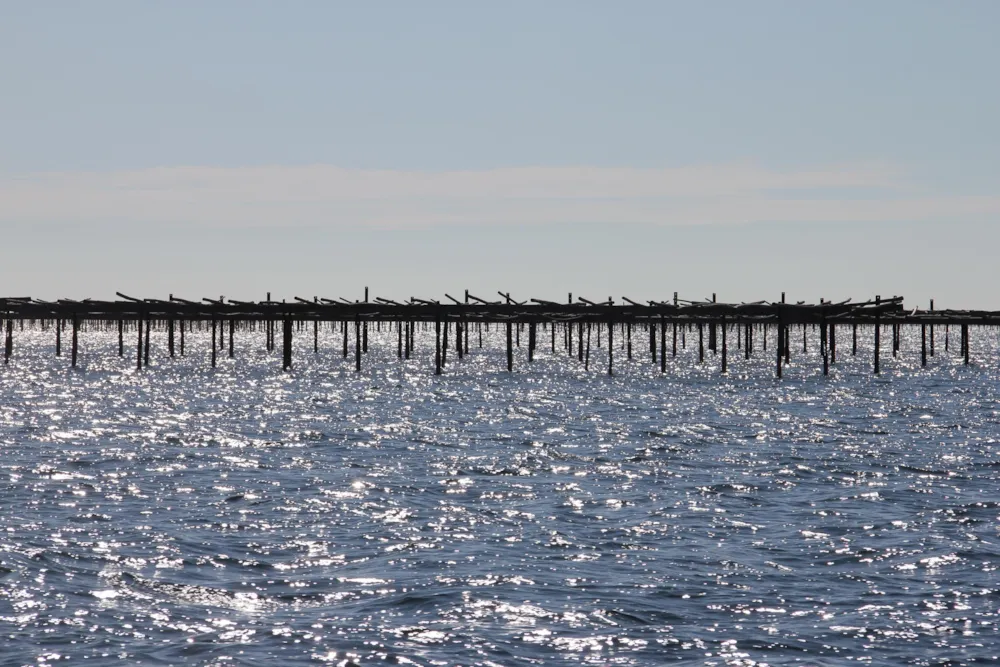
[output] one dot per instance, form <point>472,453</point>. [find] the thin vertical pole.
<point>357,343</point>
<point>510,347</point>
<point>779,342</point>
<point>8,346</point>
<point>76,330</point>
<point>121,338</point>
<point>725,360</point>
<point>878,341</point>
<point>59,325</point>
<point>611,348</point>
<point>932,330</point>
<point>138,345</point>
<point>286,344</point>
<point>232,335</point>
<point>701,342</point>
<point>833,343</point>
<point>215,348</point>
<point>663,345</point>
<point>923,344</point>
<point>965,342</point>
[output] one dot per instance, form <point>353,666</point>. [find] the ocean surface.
<point>553,516</point>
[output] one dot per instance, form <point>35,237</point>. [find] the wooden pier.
<point>570,326</point>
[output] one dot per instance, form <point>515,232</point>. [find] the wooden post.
<point>823,347</point>
<point>145,356</point>
<point>923,344</point>
<point>343,327</point>
<point>170,338</point>
<point>779,340</point>
<point>75,343</point>
<point>286,344</point>
<point>460,348</point>
<point>579,341</point>
<point>531,342</point>
<point>611,347</point>
<point>833,343</point>
<point>121,338</point>
<point>59,326</point>
<point>788,344</point>
<point>674,353</point>
<point>399,339</point>
<point>444,345</point>
<point>232,335</point>
<point>747,340</point>
<point>357,343</point>
<point>965,342</point>
<point>510,347</point>
<point>663,344</point>
<point>725,355</point>
<point>878,337</point>
<point>628,339</point>
<point>586,358</point>
<point>315,336</point>
<point>408,340</point>
<point>932,330</point>
<point>8,346</point>
<point>652,341</point>
<point>854,339</point>
<point>138,344</point>
<point>215,349</point>
<point>701,342</point>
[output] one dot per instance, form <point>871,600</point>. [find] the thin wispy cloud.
<point>332,196</point>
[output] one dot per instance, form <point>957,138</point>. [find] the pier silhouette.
<point>569,326</point>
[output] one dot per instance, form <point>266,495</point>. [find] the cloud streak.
<point>331,196</point>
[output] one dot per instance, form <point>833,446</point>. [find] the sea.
<point>555,515</point>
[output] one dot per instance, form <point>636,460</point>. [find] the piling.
<point>510,347</point>
<point>75,342</point>
<point>286,344</point>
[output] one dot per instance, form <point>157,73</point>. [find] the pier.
<point>651,328</point>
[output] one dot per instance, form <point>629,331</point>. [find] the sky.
<point>630,148</point>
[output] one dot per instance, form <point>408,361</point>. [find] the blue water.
<point>245,516</point>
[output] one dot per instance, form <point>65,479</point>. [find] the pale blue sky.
<point>652,134</point>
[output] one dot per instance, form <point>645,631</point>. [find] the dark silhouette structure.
<point>579,319</point>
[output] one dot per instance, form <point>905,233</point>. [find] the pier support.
<point>286,344</point>
<point>923,345</point>
<point>75,342</point>
<point>878,346</point>
<point>510,347</point>
<point>8,345</point>
<point>725,351</point>
<point>611,348</point>
<point>357,343</point>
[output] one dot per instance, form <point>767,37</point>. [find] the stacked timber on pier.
<point>577,319</point>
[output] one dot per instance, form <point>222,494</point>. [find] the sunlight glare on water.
<point>551,516</point>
